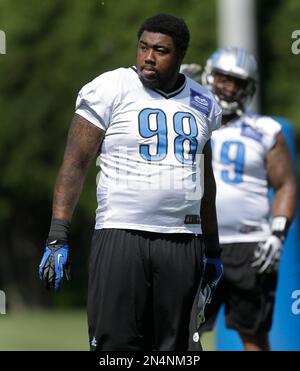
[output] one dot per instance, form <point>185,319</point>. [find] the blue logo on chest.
<point>249,132</point>
<point>200,102</point>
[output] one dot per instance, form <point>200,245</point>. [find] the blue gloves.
<point>55,263</point>
<point>213,272</point>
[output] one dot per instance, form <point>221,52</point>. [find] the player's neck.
<point>174,84</point>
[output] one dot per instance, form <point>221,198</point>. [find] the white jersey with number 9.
<point>239,153</point>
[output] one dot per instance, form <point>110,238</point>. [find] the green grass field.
<point>51,330</point>
<point>44,330</point>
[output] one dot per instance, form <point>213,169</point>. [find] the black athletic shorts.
<point>141,289</point>
<point>248,296</point>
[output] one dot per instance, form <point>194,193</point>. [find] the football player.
<point>249,155</point>
<point>151,126</point>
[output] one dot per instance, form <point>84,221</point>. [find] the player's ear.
<point>181,55</point>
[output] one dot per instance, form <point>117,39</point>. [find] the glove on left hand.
<point>213,272</point>
<point>267,255</point>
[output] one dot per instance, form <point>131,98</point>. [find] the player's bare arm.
<point>282,179</point>
<point>208,209</point>
<point>83,143</point>
<point>84,140</point>
<point>213,268</point>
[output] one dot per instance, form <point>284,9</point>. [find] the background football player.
<point>249,154</point>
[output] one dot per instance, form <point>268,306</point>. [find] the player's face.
<point>158,61</point>
<point>228,87</point>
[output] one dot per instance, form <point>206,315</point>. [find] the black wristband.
<point>59,230</point>
<point>212,245</point>
<point>280,226</point>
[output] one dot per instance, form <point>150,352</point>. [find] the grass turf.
<point>52,330</point>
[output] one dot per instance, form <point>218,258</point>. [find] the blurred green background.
<point>53,48</point>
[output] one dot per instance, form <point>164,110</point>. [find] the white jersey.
<point>149,178</point>
<point>239,153</point>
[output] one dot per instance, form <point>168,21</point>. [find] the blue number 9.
<point>237,162</point>
<point>158,117</point>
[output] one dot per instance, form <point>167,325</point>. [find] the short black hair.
<point>169,25</point>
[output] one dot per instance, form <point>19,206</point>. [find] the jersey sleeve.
<point>95,101</point>
<point>202,100</point>
<point>215,117</point>
<point>270,129</point>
